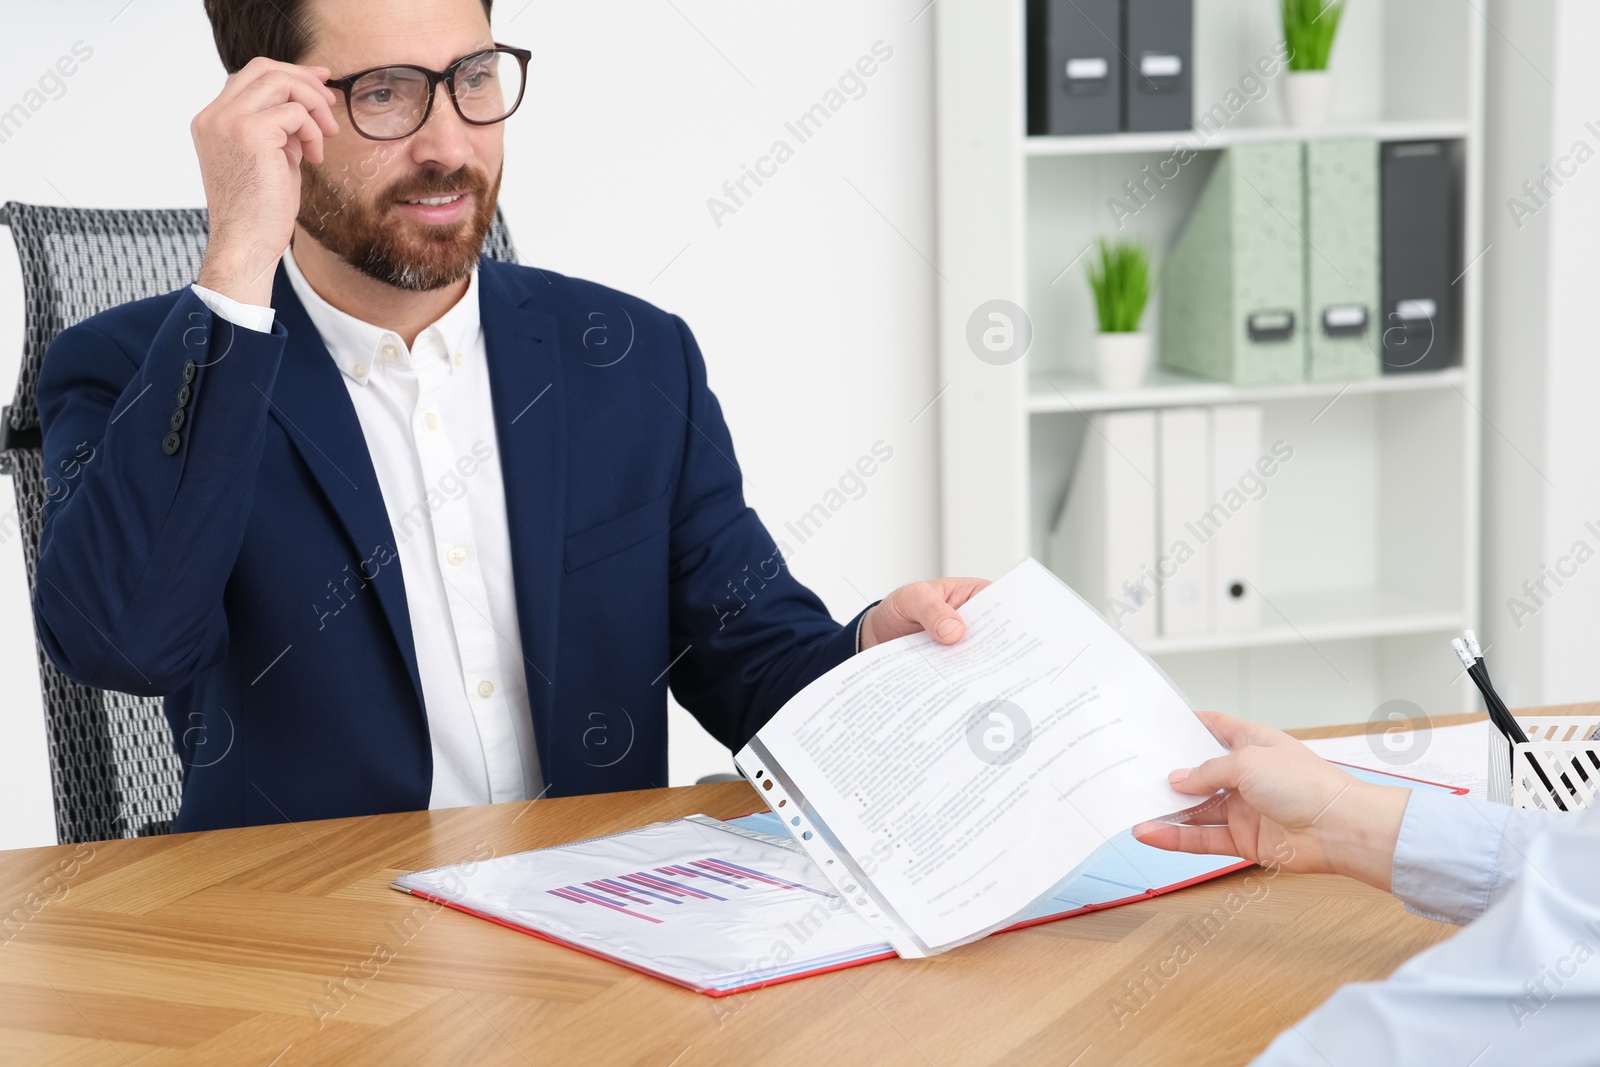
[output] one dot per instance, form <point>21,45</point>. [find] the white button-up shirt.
<point>429,425</point>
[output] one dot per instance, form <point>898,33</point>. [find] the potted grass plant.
<point>1119,278</point>
<point>1309,28</point>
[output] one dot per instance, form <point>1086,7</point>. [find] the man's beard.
<point>360,231</point>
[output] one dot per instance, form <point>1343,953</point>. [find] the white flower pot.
<point>1308,97</point>
<point>1121,360</point>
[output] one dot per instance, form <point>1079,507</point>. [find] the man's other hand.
<point>929,606</point>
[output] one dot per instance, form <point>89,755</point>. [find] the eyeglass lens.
<point>393,101</point>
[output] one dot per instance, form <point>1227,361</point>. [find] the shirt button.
<point>459,357</point>
<point>360,370</point>
<point>432,420</point>
<point>457,556</point>
<point>391,353</point>
<point>486,689</point>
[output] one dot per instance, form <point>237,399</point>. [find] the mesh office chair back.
<point>113,767</point>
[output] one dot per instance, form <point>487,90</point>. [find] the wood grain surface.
<point>284,945</point>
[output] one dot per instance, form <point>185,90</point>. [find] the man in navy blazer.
<point>229,544</point>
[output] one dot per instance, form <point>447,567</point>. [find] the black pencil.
<point>1515,733</point>
<point>1502,718</point>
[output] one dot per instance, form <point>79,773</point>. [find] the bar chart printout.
<point>695,901</point>
<point>720,880</point>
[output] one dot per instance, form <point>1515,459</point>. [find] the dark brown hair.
<point>277,29</point>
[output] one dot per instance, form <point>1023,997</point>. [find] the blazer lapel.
<point>311,403</point>
<point>524,353</point>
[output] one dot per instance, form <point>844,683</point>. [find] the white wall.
<point>813,302</point>
<point>1542,357</point>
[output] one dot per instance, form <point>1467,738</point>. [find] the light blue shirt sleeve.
<point>1520,985</point>
<point>1457,855</point>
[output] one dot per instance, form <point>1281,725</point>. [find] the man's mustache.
<point>461,181</point>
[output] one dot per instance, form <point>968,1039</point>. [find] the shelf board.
<point>1199,140</point>
<point>1317,617</point>
<point>1078,391</point>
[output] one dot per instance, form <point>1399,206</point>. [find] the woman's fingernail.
<point>948,628</point>
<point>1178,775</point>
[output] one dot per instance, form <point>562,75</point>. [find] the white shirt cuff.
<point>249,316</point>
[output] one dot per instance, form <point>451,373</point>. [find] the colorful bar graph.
<point>668,885</point>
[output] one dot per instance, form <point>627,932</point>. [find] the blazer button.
<point>183,397</point>
<point>177,419</point>
<point>188,372</point>
<point>171,443</point>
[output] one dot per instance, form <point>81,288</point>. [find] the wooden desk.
<point>283,945</point>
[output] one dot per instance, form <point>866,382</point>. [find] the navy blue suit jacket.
<point>216,535</point>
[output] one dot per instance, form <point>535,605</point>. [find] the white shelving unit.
<point>1370,535</point>
<point>1077,391</point>
<point>1125,143</point>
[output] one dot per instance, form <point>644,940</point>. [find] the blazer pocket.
<point>623,532</point>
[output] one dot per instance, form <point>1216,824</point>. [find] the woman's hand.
<point>1283,805</point>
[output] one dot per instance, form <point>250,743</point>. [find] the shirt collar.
<point>361,349</point>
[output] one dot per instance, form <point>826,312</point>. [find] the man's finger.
<point>297,124</point>
<point>271,91</point>
<point>957,591</point>
<point>923,605</point>
<point>261,67</point>
<point>944,623</point>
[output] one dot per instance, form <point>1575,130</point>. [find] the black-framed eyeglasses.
<point>394,101</point>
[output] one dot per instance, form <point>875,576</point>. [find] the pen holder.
<point>1558,745</point>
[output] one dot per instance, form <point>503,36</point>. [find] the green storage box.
<point>1343,329</point>
<point>1233,286</point>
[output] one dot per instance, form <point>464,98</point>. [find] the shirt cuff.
<point>861,620</point>
<point>250,316</point>
<point>1455,856</point>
